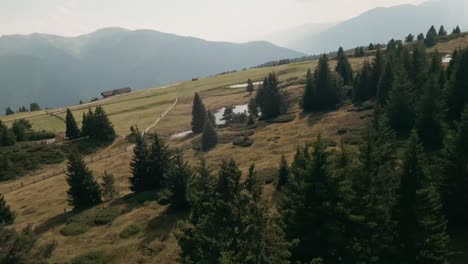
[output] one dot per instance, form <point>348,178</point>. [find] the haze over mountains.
<point>378,25</point>
<point>55,70</point>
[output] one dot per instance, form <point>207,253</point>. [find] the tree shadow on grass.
<point>53,222</point>
<point>164,224</point>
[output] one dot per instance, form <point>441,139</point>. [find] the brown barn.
<point>116,92</point>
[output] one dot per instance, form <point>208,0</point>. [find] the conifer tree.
<point>7,217</point>
<point>198,114</point>
<point>86,123</point>
<point>200,192</point>
<point>409,38</point>
<point>84,191</point>
<point>371,47</point>
<point>179,177</point>
<point>159,164</point>
<point>313,211</point>
<point>385,83</point>
<point>431,37</point>
<point>109,191</point>
<point>34,107</point>
<point>20,128</point>
<point>8,111</point>
<point>421,37</point>
<point>264,239</point>
<point>72,130</point>
<point>456,31</point>
<point>454,164</point>
<point>209,137</point>
<point>376,72</point>
<point>102,128</point>
<point>362,89</point>
<point>309,99</point>
<point>399,107</point>
<point>419,71</point>
<point>7,137</point>
<point>457,87</point>
<point>283,173</point>
<point>253,108</point>
<point>270,99</point>
<point>422,226</point>
<point>429,120</point>
<point>327,94</point>
<point>374,185</point>
<point>442,32</point>
<point>139,166</point>
<point>250,86</point>
<point>343,67</point>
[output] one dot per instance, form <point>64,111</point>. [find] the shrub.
<point>106,216</point>
<point>93,257</point>
<point>282,119</point>
<point>242,142</point>
<point>74,229</point>
<point>130,231</point>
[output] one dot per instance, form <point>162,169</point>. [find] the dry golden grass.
<point>42,204</point>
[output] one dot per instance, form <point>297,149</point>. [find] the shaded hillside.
<point>54,70</point>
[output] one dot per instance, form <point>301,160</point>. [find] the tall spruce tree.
<point>343,67</point>
<point>159,164</point>
<point>375,183</point>
<point>327,93</point>
<point>385,83</point>
<point>109,191</point>
<point>429,122</point>
<point>422,226</point>
<point>198,114</point>
<point>313,211</point>
<point>9,111</point>
<point>209,137</point>
<point>179,177</point>
<point>431,37</point>
<point>139,165</point>
<point>7,137</point>
<point>419,71</point>
<point>362,89</point>
<point>250,86</point>
<point>442,31</point>
<point>72,130</point>
<point>376,72</point>
<point>7,217</point>
<point>200,192</point>
<point>283,173</point>
<point>84,191</point>
<point>409,38</point>
<point>102,128</point>
<point>456,94</point>
<point>309,99</point>
<point>270,99</point>
<point>454,164</point>
<point>399,108</point>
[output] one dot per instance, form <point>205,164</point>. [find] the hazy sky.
<point>234,20</point>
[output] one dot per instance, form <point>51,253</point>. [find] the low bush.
<point>74,229</point>
<point>282,119</point>
<point>268,175</point>
<point>130,231</point>
<point>106,215</point>
<point>242,141</point>
<point>93,257</point>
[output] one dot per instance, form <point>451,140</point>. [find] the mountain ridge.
<point>55,70</point>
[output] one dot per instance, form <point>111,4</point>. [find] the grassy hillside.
<point>137,229</point>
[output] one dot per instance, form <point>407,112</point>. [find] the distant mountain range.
<point>378,25</point>
<point>54,70</point>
